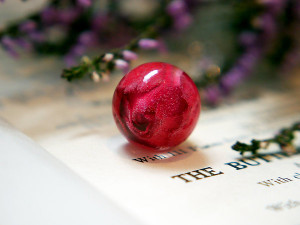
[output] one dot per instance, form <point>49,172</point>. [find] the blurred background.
<point>220,44</point>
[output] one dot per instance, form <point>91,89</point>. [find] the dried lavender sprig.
<point>146,40</point>
<point>260,27</point>
<point>291,56</point>
<point>117,59</point>
<point>171,14</point>
<point>284,139</point>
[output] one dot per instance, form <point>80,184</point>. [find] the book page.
<point>201,181</point>
<point>38,189</point>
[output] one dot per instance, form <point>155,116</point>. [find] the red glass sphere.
<point>156,105</point>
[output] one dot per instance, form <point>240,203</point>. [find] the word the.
<point>197,174</point>
<point>255,161</point>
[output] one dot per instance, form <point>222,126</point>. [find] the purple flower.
<point>240,71</point>
<point>162,47</point>
<point>28,26</point>
<point>7,42</point>
<point>9,45</point>
<point>12,52</point>
<point>70,60</point>
<point>247,38</point>
<point>231,79</point>
<point>129,55</point>
<point>49,15</point>
<point>212,95</point>
<point>248,60</point>
<point>69,15</point>
<point>99,21</point>
<point>182,21</point>
<point>87,38</point>
<point>78,49</point>
<point>176,7</point>
<point>148,43</point>
<point>23,43</point>
<point>274,6</point>
<point>71,57</point>
<point>84,3</point>
<point>122,65</point>
<point>178,10</point>
<point>37,36</point>
<point>267,23</point>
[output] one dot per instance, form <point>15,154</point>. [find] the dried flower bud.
<point>86,59</point>
<point>7,41</point>
<point>148,43</point>
<point>129,55</point>
<point>213,70</point>
<point>264,144</point>
<point>95,77</point>
<point>176,7</point>
<point>122,65</point>
<point>289,149</point>
<point>108,57</point>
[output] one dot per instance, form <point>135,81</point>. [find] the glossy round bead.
<point>156,105</point>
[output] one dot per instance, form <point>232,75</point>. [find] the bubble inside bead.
<point>156,105</point>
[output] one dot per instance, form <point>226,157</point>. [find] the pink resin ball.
<point>156,105</point>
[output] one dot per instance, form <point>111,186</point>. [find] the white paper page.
<point>36,188</point>
<point>74,123</point>
<point>150,185</point>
